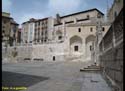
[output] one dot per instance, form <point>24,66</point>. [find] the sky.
<point>23,10</point>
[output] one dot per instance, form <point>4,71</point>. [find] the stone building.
<point>68,37</point>
<point>42,30</point>
<point>13,33</point>
<point>37,31</point>
<point>28,31</point>
<point>77,32</point>
<point>114,10</point>
<point>5,28</point>
<point>19,36</point>
<point>73,36</point>
<point>111,47</point>
<point>9,29</point>
<point>111,53</point>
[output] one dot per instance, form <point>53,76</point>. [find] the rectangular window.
<point>90,47</point>
<point>75,48</point>
<point>103,29</point>
<point>53,58</point>
<point>91,29</point>
<point>79,29</point>
<point>88,16</point>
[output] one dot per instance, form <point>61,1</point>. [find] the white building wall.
<point>50,28</point>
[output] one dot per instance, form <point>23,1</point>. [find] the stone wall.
<point>48,51</point>
<point>22,51</point>
<point>111,53</point>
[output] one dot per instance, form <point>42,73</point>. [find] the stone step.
<point>91,67</point>
<point>83,69</point>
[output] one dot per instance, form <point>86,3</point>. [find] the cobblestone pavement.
<point>63,76</point>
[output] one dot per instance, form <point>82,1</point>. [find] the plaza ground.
<point>55,76</point>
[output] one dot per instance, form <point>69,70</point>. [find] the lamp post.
<point>98,38</point>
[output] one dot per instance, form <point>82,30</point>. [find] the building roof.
<point>41,19</point>
<point>35,20</point>
<point>83,12</point>
<point>14,22</point>
<point>6,17</point>
<point>5,14</point>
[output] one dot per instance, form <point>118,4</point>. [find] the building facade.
<point>37,31</point>
<point>19,36</point>
<point>78,32</point>
<point>9,30</point>
<point>28,31</point>
<point>13,33</point>
<point>5,28</point>
<point>115,10</point>
<point>68,37</point>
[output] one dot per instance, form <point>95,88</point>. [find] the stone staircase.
<point>92,67</point>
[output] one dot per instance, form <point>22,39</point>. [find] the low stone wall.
<point>49,52</point>
<point>22,53</point>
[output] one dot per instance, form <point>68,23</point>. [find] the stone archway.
<point>75,45</point>
<point>89,45</point>
<point>59,35</point>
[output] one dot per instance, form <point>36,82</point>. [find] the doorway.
<point>53,58</point>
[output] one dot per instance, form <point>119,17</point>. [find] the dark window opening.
<point>25,41</point>
<point>79,29</point>
<point>98,15</point>
<point>90,47</point>
<point>53,58</point>
<point>91,29</point>
<point>38,23</point>
<point>3,31</point>
<point>88,16</point>
<point>69,22</point>
<point>115,14</point>
<point>82,19</point>
<point>103,29</point>
<point>60,37</point>
<point>4,22</point>
<point>76,48</point>
<point>45,32</point>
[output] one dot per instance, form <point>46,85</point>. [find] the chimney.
<point>58,18</point>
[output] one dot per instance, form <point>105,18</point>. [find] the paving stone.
<point>63,76</point>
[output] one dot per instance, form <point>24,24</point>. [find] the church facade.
<point>72,36</point>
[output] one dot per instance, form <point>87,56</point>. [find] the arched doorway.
<point>89,45</point>
<point>75,45</point>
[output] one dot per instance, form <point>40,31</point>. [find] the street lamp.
<point>98,37</point>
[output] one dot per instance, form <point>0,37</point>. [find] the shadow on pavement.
<point>11,79</point>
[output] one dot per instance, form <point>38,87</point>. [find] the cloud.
<point>39,9</point>
<point>6,5</point>
<point>64,6</point>
<point>25,17</point>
